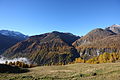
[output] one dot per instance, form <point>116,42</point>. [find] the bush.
<point>79,60</point>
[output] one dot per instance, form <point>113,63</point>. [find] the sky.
<point>34,17</point>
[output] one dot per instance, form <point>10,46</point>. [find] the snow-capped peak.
<point>12,33</point>
<point>114,28</point>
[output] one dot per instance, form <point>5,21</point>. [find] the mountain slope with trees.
<point>46,49</point>
<point>6,41</point>
<point>62,48</point>
<point>98,41</point>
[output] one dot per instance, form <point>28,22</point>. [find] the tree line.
<point>19,64</point>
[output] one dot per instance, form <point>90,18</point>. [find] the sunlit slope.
<point>79,71</point>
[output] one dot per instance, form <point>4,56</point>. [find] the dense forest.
<point>102,58</point>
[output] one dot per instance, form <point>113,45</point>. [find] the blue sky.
<point>33,17</point>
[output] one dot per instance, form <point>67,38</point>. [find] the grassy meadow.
<point>77,71</point>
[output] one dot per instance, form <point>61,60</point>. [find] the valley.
<point>59,39</point>
<point>64,56</point>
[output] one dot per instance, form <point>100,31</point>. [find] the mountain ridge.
<point>14,34</point>
<point>61,48</point>
<point>44,49</point>
<point>8,40</point>
<point>97,42</point>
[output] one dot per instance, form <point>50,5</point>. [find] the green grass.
<point>78,71</point>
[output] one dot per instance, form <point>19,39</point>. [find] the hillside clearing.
<point>78,71</point>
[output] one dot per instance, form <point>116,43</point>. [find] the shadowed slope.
<point>11,69</point>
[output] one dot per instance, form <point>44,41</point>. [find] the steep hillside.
<point>14,34</point>
<point>93,36</point>
<point>8,39</point>
<point>97,42</point>
<point>109,44</point>
<point>6,42</point>
<point>46,49</point>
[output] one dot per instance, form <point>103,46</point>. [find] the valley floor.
<point>78,71</point>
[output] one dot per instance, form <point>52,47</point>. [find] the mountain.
<point>46,49</point>
<point>98,41</point>
<point>114,28</point>
<point>14,34</point>
<point>93,36</point>
<point>111,42</point>
<point>62,48</point>
<point>9,38</point>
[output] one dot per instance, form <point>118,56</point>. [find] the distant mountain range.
<point>14,34</point>
<point>62,48</point>
<point>9,38</point>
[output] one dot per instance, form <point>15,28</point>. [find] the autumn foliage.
<point>79,60</point>
<point>19,64</point>
<point>103,58</point>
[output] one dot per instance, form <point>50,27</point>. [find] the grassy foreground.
<point>78,71</point>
